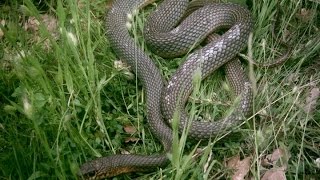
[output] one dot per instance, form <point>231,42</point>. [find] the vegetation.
<point>65,98</point>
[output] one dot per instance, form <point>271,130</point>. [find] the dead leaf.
<point>305,15</point>
<point>81,4</point>
<point>3,23</point>
<point>207,164</point>
<point>241,167</point>
<point>198,153</point>
<point>130,129</point>
<point>109,4</point>
<point>278,160</point>
<point>131,139</point>
<point>51,24</point>
<point>232,162</point>
<point>32,24</point>
<point>123,151</point>
<point>1,33</point>
<point>292,79</point>
<point>317,162</point>
<point>274,174</point>
<point>271,159</point>
<point>311,100</point>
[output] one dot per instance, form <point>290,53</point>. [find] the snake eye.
<point>91,174</point>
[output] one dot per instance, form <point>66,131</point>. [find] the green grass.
<point>64,105</point>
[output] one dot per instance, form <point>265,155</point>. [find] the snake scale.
<point>164,37</point>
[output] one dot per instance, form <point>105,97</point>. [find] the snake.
<point>163,99</point>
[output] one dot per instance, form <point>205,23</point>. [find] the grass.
<point>64,102</point>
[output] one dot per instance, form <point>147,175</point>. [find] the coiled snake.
<point>163,99</point>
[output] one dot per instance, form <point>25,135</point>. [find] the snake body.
<point>169,40</point>
<point>163,100</point>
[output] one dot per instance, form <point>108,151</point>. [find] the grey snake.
<point>165,38</point>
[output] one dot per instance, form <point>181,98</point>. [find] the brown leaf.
<point>51,23</point>
<point>1,33</point>
<point>305,15</point>
<point>207,164</point>
<point>311,100</point>
<point>278,160</point>
<point>317,162</point>
<point>123,151</point>
<point>81,4</point>
<point>198,152</point>
<point>131,139</point>
<point>271,159</point>
<point>241,167</point>
<point>32,24</point>
<point>130,129</point>
<point>109,4</point>
<point>272,174</point>
<point>232,162</point>
<point>3,23</point>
